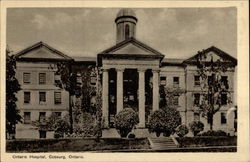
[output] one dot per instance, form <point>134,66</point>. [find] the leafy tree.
<point>77,81</point>
<point>68,82</point>
<point>168,95</point>
<point>164,121</point>
<point>98,105</point>
<point>12,87</point>
<point>125,120</point>
<point>212,85</point>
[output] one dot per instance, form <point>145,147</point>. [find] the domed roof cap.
<point>126,12</point>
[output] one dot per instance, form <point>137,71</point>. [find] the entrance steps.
<point>162,143</point>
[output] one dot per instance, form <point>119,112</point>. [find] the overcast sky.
<point>176,32</point>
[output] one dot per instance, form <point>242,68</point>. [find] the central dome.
<point>126,12</point>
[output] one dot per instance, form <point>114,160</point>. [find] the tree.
<point>77,81</point>
<point>12,87</point>
<point>168,95</point>
<point>213,85</point>
<point>68,82</point>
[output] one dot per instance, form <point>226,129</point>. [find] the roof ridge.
<point>38,44</point>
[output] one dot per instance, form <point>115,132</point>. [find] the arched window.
<point>126,31</point>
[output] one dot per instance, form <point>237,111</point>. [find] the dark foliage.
<point>199,141</point>
<point>131,135</point>
<point>125,120</point>
<point>164,121</point>
<point>12,87</point>
<point>182,130</point>
<point>196,127</point>
<point>75,145</point>
<point>213,133</point>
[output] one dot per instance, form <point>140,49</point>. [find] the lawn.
<point>75,145</point>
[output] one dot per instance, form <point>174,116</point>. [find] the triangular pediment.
<point>214,54</point>
<point>41,50</point>
<point>131,47</point>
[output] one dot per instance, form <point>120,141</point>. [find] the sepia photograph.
<point>120,80</point>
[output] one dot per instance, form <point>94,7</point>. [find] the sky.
<point>175,32</point>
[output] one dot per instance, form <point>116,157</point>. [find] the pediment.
<point>132,47</point>
<point>41,51</point>
<point>214,54</point>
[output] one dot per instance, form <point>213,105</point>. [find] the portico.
<point>120,92</point>
<point>127,69</point>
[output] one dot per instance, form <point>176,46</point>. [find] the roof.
<point>41,44</point>
<point>226,57</point>
<point>132,41</point>
<point>82,59</point>
<point>126,12</point>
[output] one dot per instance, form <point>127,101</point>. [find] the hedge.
<point>74,145</point>
<point>201,141</point>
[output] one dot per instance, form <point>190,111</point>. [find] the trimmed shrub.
<point>125,120</point>
<point>196,127</point>
<point>131,135</point>
<point>213,133</point>
<point>61,127</point>
<point>164,121</point>
<point>182,130</point>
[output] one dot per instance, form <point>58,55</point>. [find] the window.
<point>42,97</point>
<point>57,114</point>
<point>197,80</point>
<point>224,80</point>
<point>196,116</point>
<point>57,79</point>
<point>42,116</point>
<point>176,100</point>
<point>92,80</point>
<point>209,80</point>
<point>27,118</point>
<point>26,97</point>
<point>223,118</point>
<point>196,99</point>
<point>26,78</point>
<point>223,98</point>
<point>176,82</point>
<point>42,78</point>
<point>126,31</point>
<point>163,81</point>
<point>57,97</point>
<point>42,134</point>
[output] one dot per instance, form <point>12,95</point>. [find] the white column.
<point>119,94</point>
<point>155,90</point>
<point>141,98</point>
<point>105,97</point>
